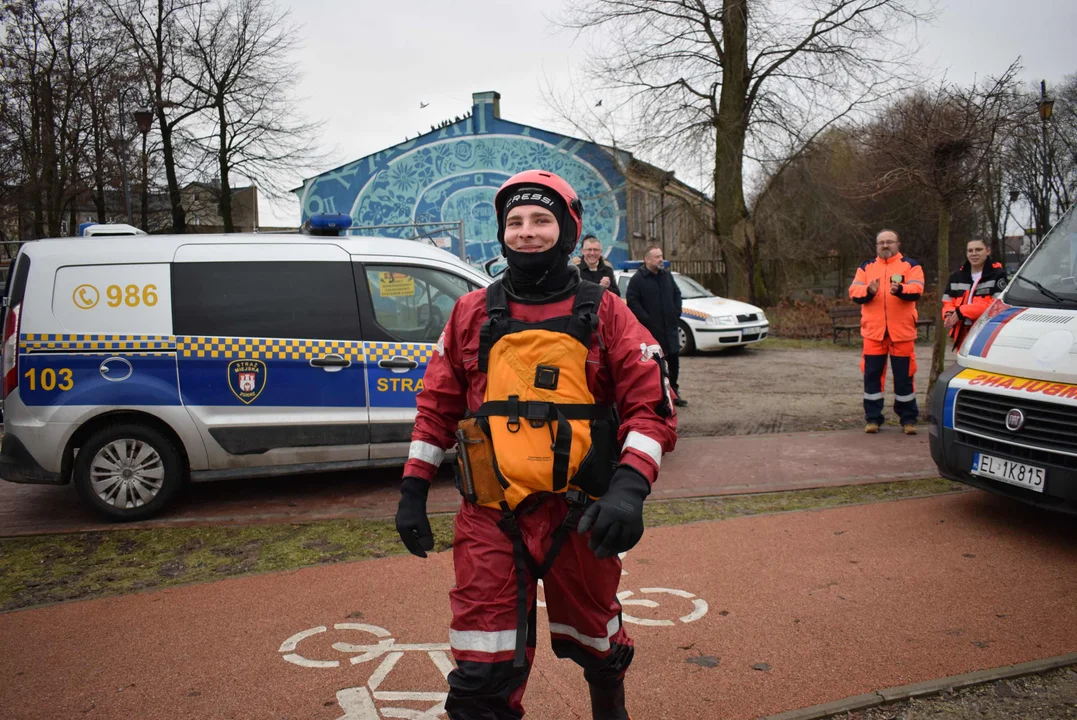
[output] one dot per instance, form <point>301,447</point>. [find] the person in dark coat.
<point>594,267</point>
<point>654,298</point>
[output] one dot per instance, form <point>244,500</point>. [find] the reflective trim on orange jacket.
<point>883,314</point>
<point>955,296</point>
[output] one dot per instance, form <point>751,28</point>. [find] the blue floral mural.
<point>451,175</point>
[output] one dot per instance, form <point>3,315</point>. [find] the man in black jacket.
<point>594,267</point>
<point>654,298</point>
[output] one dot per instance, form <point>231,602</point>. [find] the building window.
<point>639,226</point>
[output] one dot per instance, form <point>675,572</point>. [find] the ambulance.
<point>1004,418</point>
<point>134,364</point>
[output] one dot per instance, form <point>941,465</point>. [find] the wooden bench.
<point>845,319</point>
<point>842,317</point>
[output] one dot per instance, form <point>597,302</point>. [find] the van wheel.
<point>127,472</point>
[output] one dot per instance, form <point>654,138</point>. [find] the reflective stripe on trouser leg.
<point>482,634</point>
<point>874,367</point>
<point>903,362</point>
<point>585,615</point>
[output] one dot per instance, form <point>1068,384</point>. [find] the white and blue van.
<point>133,364</point>
<point>1005,417</point>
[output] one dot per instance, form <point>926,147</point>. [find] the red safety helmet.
<point>552,182</point>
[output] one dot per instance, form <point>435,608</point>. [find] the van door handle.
<point>398,363</point>
<point>328,361</point>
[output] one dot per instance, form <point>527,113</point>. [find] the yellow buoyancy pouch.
<point>475,474</point>
<point>540,413</point>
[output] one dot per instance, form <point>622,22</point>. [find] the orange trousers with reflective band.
<point>903,362</point>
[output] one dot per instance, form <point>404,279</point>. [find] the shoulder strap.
<point>497,312</point>
<point>585,308</point>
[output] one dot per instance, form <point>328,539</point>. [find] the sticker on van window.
<point>393,284</point>
<point>114,299</point>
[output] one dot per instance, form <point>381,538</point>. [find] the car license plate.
<point>1008,471</point>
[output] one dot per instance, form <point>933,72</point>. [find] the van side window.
<point>413,303</point>
<point>306,300</point>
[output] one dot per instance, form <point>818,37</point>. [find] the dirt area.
<point>780,386</point>
<point>1051,696</point>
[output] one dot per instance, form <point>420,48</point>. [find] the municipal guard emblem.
<point>247,379</point>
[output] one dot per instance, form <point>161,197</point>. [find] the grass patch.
<point>50,568</point>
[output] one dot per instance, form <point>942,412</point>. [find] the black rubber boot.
<point>608,702</point>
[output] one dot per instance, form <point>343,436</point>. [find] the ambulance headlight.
<point>721,320</point>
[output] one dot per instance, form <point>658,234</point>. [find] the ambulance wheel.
<point>688,342</point>
<point>127,471</point>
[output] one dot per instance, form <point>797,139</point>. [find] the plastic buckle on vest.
<point>575,496</point>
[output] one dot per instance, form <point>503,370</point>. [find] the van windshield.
<point>1049,278</point>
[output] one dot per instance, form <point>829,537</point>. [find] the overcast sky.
<point>366,66</point>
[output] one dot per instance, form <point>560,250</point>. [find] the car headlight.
<point>722,320</point>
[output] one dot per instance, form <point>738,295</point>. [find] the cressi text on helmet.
<point>556,184</point>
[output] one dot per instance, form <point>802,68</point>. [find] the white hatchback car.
<point>708,322</point>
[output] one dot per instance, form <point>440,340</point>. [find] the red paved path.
<point>837,602</point>
<point>700,466</point>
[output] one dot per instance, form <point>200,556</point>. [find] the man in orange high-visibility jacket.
<point>887,289</point>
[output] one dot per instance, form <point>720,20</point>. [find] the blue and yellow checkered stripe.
<point>695,314</point>
<point>142,344</point>
<point>225,347</point>
<point>419,352</point>
<point>267,348</point>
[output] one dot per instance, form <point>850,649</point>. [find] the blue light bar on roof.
<point>329,223</point>
<point>637,264</point>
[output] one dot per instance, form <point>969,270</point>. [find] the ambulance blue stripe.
<point>948,408</point>
<point>989,329</point>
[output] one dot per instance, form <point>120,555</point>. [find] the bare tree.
<point>240,49</point>
<point>743,74</point>
<point>942,142</point>
<point>155,29</point>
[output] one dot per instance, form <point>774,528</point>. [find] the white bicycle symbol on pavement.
<point>359,703</point>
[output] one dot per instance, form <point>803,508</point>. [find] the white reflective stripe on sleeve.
<point>904,398</point>
<point>858,282</point>
<point>479,641</point>
<point>426,452</point>
<point>915,282</point>
<point>946,298</point>
<point>599,644</point>
<point>873,396</point>
<point>647,446</point>
<point>961,286</point>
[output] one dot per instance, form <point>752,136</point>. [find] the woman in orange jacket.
<point>971,290</point>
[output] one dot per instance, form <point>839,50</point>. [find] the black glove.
<point>617,516</point>
<point>411,521</point>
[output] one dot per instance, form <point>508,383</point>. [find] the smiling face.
<point>887,244</point>
<point>530,229</point>
<point>592,251</point>
<point>976,251</point>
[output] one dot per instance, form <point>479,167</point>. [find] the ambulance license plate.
<point>1008,471</point>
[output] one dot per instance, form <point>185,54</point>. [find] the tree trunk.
<point>730,128</point>
<point>225,200</point>
<point>179,216</point>
<point>938,353</point>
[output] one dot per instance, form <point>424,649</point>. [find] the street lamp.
<point>1045,106</point>
<point>121,96</point>
<point>144,119</point>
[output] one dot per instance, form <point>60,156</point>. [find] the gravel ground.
<point>780,386</point>
<point>1051,696</point>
